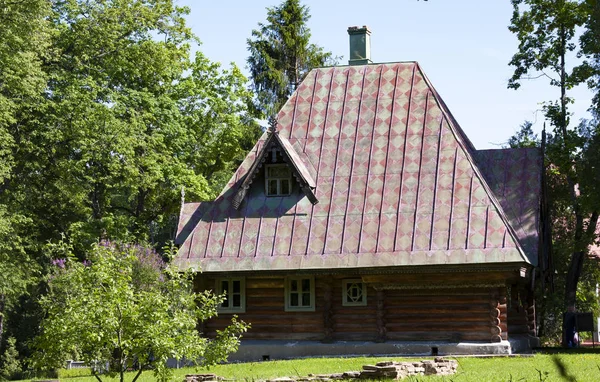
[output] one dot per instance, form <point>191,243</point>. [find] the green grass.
<point>580,366</point>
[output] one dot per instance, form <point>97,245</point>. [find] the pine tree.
<point>281,55</point>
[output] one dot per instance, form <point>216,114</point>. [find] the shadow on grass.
<point>562,369</point>
<point>558,350</point>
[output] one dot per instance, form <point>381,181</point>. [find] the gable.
<point>277,147</point>
<point>395,178</point>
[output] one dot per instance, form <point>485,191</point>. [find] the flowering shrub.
<point>125,307</point>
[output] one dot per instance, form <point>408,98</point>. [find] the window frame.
<point>278,179</point>
<point>230,280</point>
<point>345,300</point>
<point>288,297</point>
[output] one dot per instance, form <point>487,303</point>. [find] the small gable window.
<point>300,294</point>
<point>235,297</point>
<point>278,180</point>
<point>354,293</point>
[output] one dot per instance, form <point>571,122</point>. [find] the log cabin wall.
<point>266,313</point>
<point>454,314</point>
<point>399,314</point>
<point>521,311</point>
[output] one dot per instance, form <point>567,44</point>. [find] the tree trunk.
<point>583,237</point>
<point>138,373</point>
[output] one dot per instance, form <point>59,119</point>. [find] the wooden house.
<point>367,215</point>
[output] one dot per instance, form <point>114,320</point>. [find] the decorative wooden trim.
<point>345,301</point>
<point>274,141</point>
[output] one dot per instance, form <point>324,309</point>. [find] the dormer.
<point>282,168</point>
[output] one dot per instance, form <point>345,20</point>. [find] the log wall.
<point>441,314</point>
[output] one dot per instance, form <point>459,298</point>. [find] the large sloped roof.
<point>397,182</point>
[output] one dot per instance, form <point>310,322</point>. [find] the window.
<point>354,293</point>
<point>300,294</point>
<point>278,180</point>
<point>235,295</point>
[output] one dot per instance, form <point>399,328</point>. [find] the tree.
<point>124,120</point>
<point>10,366</point>
<point>23,46</point>
<point>546,30</point>
<point>104,118</point>
<point>281,55</point>
<point>525,137</point>
<point>124,307</point>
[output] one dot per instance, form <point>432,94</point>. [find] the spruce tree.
<point>281,55</point>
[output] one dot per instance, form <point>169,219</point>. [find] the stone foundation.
<point>259,350</point>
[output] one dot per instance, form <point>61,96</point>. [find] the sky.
<point>463,46</point>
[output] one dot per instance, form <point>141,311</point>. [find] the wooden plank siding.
<point>400,314</point>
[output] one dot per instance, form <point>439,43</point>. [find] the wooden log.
<point>254,335</point>
<point>438,336</point>
<point>262,283</point>
<point>264,292</point>
<point>357,336</point>
<point>495,315</point>
<point>458,317</point>
<point>440,278</point>
<point>439,310</point>
<point>349,328</point>
<point>439,326</point>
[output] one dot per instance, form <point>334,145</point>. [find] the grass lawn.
<point>563,366</point>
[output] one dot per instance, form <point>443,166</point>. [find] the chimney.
<point>360,45</point>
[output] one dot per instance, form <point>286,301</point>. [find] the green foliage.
<point>525,137</point>
<point>23,46</point>
<point>104,118</point>
<point>124,307</point>
<point>10,366</point>
<point>24,42</point>
<point>547,32</point>
<point>281,55</point>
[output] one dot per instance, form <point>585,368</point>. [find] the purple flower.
<point>59,263</point>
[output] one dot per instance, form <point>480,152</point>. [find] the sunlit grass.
<point>541,367</point>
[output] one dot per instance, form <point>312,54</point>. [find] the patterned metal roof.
<point>398,184</point>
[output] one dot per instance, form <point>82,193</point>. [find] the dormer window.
<point>278,180</point>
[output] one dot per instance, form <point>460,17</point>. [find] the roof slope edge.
<point>469,150</point>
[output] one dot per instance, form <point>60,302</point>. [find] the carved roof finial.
<point>272,124</point>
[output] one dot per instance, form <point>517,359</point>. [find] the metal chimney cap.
<point>359,30</point>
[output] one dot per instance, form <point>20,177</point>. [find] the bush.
<point>10,366</point>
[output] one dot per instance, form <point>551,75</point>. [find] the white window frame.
<point>278,179</point>
<point>288,294</point>
<point>345,300</point>
<point>232,309</point>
